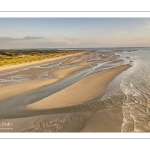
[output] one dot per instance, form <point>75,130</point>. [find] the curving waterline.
<point>136,86</point>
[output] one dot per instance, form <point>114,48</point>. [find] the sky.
<point>18,33</point>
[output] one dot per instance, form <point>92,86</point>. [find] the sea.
<point>135,85</point>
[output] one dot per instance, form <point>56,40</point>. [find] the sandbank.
<point>13,90</point>
<point>80,92</point>
<point>16,89</point>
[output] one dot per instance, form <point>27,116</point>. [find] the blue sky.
<point>73,32</point>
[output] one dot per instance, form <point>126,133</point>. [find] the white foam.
<point>135,77</point>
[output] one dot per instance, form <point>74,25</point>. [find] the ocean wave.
<point>136,86</point>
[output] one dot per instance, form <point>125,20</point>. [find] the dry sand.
<point>80,92</point>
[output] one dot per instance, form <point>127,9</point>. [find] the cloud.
<point>147,23</point>
<point>6,38</point>
<point>121,33</point>
<point>145,26</point>
<point>72,39</point>
<point>24,38</point>
<point>32,37</point>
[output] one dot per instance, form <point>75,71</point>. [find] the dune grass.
<point>13,57</point>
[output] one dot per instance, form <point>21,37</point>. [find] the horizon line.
<point>77,47</point>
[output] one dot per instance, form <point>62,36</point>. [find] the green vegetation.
<point>13,57</point>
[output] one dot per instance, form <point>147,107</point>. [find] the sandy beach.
<point>80,92</point>
<point>32,84</point>
<point>70,98</point>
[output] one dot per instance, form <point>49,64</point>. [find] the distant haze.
<point>74,32</point>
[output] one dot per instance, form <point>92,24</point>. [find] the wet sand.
<point>67,122</point>
<point>65,72</point>
<point>108,120</point>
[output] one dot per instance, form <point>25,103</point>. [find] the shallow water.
<point>136,87</point>
<point>21,75</point>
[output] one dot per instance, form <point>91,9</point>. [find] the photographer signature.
<point>6,124</point>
